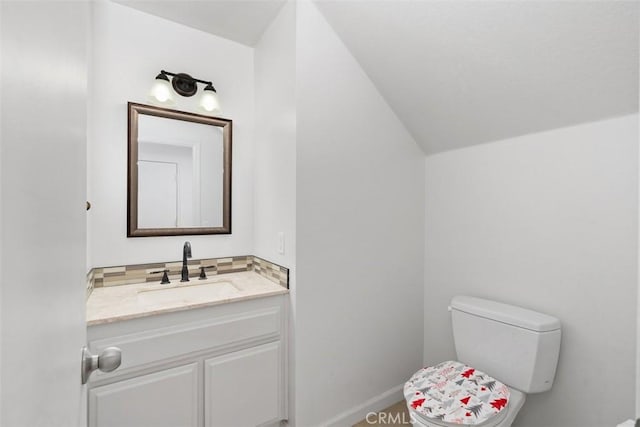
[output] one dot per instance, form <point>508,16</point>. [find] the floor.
<point>394,415</point>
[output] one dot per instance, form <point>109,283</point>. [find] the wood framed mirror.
<point>179,173</point>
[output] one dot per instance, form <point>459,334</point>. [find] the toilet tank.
<point>517,346</point>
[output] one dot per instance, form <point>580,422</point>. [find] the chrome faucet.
<point>186,253</point>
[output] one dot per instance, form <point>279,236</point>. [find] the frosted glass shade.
<point>161,93</point>
<point>209,101</point>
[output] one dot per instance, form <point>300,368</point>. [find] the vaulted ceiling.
<point>242,21</point>
<point>461,72</point>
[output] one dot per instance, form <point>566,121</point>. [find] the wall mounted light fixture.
<point>183,84</point>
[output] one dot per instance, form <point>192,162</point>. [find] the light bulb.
<point>209,100</point>
<point>161,92</point>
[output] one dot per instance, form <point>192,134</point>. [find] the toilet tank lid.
<point>505,313</point>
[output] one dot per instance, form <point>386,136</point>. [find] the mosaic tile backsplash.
<point>136,273</point>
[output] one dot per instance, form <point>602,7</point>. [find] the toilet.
<point>503,353</point>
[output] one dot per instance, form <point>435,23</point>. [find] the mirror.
<point>179,173</point>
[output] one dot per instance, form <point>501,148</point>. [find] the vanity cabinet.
<point>219,366</point>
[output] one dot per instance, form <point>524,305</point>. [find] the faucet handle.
<point>165,276</point>
<point>203,275</point>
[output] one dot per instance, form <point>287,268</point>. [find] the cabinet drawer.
<point>220,333</point>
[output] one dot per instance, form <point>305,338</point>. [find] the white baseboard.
<point>359,412</point>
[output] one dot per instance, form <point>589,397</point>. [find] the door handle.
<point>107,361</point>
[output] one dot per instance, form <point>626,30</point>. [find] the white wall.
<point>275,157</point>
<point>275,139</point>
<point>42,187</point>
<point>548,221</point>
<point>1,157</point>
<point>129,50</point>
<point>360,222</point>
<point>637,391</point>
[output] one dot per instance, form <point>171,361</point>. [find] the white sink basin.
<point>187,293</point>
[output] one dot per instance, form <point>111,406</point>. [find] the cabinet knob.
<point>108,360</point>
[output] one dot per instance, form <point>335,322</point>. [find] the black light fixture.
<point>184,85</point>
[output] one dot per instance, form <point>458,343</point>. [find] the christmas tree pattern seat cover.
<point>455,393</point>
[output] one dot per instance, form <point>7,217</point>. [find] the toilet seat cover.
<point>455,393</point>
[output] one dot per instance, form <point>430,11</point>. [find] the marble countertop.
<point>116,303</point>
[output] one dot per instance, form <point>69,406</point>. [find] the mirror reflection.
<point>179,172</point>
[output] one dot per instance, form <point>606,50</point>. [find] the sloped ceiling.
<point>242,21</point>
<point>459,73</point>
<point>464,72</point>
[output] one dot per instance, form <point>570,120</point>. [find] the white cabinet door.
<point>167,398</point>
<point>243,389</point>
